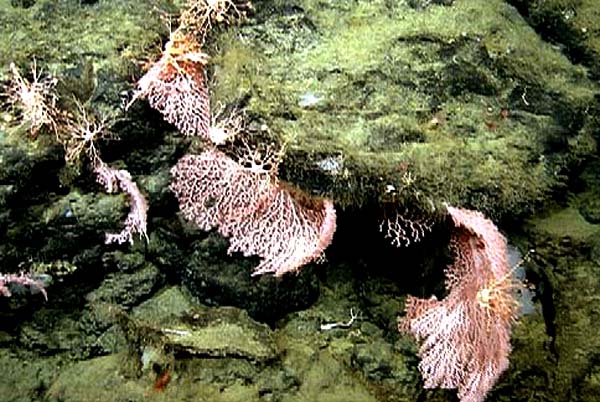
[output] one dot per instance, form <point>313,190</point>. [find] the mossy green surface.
<point>222,332</point>
<point>553,357</point>
<point>571,23</point>
<point>382,102</point>
<point>62,34</point>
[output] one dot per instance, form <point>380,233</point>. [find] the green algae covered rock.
<point>572,24</point>
<point>555,353</point>
<point>381,102</point>
<point>62,34</point>
<point>214,332</point>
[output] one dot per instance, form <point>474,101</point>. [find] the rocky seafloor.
<point>384,107</point>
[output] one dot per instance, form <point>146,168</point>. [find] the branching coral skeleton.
<point>81,133</point>
<point>200,15</point>
<point>35,99</point>
<point>225,127</point>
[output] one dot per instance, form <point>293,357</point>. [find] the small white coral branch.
<point>35,99</point>
<point>82,131</point>
<point>201,15</point>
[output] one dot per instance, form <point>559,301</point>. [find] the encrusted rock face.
<point>386,108</point>
<point>571,25</point>
<point>188,330</point>
<point>222,332</point>
<point>416,105</point>
<point>218,279</point>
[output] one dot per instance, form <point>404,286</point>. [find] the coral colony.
<point>480,307</point>
<point>464,338</point>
